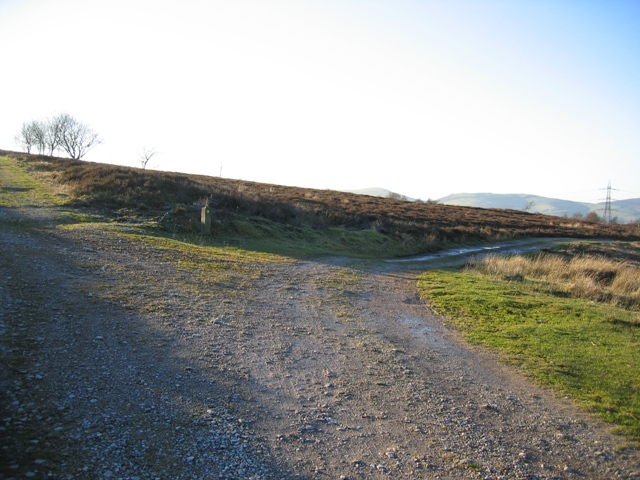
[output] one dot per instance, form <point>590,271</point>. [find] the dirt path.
<point>118,363</point>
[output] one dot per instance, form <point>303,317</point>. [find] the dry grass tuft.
<point>592,277</point>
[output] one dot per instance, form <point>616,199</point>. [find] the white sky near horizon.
<point>424,98</point>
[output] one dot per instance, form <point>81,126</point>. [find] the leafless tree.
<point>76,138</point>
<point>26,138</point>
<point>530,204</point>
<point>32,135</point>
<point>40,134</point>
<point>54,131</point>
<point>60,132</point>
<point>146,155</point>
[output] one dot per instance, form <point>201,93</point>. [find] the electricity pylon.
<point>607,217</point>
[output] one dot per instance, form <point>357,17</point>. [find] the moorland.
<point>347,223</point>
<point>281,344</point>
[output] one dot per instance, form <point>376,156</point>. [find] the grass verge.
<point>18,188</point>
<point>587,350</point>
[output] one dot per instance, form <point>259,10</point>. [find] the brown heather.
<point>427,225</point>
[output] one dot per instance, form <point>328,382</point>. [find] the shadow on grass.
<point>17,189</point>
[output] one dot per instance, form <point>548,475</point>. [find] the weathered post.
<point>205,220</point>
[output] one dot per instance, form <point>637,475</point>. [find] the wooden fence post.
<point>205,221</point>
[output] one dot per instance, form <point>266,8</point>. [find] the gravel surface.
<point>124,360</point>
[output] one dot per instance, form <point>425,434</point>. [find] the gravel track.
<point>119,363</point>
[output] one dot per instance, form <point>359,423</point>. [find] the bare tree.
<point>32,135</point>
<point>26,138</point>
<point>54,131</point>
<point>60,132</point>
<point>40,134</point>
<point>530,204</point>
<point>146,155</point>
<point>77,138</point>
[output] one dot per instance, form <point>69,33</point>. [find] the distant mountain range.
<point>626,211</point>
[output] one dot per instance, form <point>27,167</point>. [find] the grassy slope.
<point>587,350</point>
<point>299,221</point>
<point>18,188</point>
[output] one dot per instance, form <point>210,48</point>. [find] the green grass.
<point>208,257</point>
<point>18,188</point>
<point>255,233</point>
<point>586,350</point>
<point>262,235</point>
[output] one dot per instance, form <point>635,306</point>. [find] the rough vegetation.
<point>599,277</point>
<point>132,352</point>
<point>176,200</point>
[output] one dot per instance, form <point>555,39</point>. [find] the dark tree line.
<point>60,133</point>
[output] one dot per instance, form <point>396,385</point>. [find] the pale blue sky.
<point>425,98</point>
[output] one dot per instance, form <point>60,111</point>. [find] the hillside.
<point>131,349</point>
<point>627,211</point>
<point>174,200</point>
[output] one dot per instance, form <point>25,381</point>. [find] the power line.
<point>573,194</point>
<point>627,191</point>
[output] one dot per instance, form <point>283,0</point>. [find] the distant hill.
<point>374,192</point>
<point>379,192</point>
<point>625,210</point>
